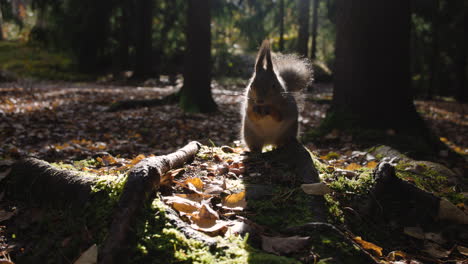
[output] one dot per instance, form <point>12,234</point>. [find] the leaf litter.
<point>65,122</point>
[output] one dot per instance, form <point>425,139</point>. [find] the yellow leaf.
<point>196,197</point>
<point>443,139</point>
<point>137,159</point>
<point>353,166</point>
<point>205,218</point>
<point>236,200</point>
<point>371,164</point>
<point>181,204</point>
<point>197,182</point>
<point>369,246</point>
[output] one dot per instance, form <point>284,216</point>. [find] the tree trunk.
<point>313,51</point>
<point>303,37</point>
<point>141,182</point>
<point>1,23</point>
<point>195,95</point>
<point>143,46</point>
<point>124,45</point>
<point>462,94</point>
<point>433,80</point>
<point>281,25</point>
<point>372,77</point>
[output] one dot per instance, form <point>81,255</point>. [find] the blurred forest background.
<point>147,39</point>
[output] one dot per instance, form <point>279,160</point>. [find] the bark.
<point>124,35</point>
<point>1,23</point>
<point>195,95</point>
<point>34,180</point>
<point>462,94</point>
<point>372,77</point>
<point>144,45</point>
<point>313,51</point>
<point>281,25</point>
<point>433,80</point>
<point>303,37</point>
<point>142,181</point>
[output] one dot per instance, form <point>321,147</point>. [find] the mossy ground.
<point>29,61</point>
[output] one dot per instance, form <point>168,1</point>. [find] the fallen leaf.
<point>235,201</point>
<point>137,159</point>
<point>448,211</point>
<point>217,229</point>
<point>196,197</point>
<point>353,166</point>
<point>284,245</point>
<point>392,256</point>
<point>436,251</point>
<point>371,165</point>
<point>5,215</point>
<point>205,218</point>
<point>89,256</point>
<point>316,188</point>
<point>181,204</point>
<point>168,178</point>
<point>463,250</point>
<point>376,250</point>
<point>196,182</point>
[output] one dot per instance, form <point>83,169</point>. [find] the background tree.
<point>281,25</point>
<point>313,51</point>
<point>303,37</point>
<point>372,63</point>
<point>143,45</point>
<point>195,95</point>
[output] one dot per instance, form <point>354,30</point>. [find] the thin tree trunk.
<point>433,80</point>
<point>1,23</point>
<point>143,47</point>
<point>195,95</point>
<point>124,45</point>
<point>313,51</point>
<point>281,25</point>
<point>303,37</point>
<point>462,94</point>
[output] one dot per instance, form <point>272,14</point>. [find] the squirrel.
<point>270,113</point>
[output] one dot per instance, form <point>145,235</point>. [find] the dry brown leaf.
<point>137,159</point>
<point>436,251</point>
<point>235,201</point>
<point>196,197</point>
<point>376,250</point>
<point>372,164</point>
<point>353,166</point>
<point>181,204</point>
<point>284,245</point>
<point>319,188</point>
<point>5,215</point>
<point>449,211</point>
<point>196,182</point>
<point>168,178</point>
<point>463,250</point>
<point>217,229</point>
<point>415,232</point>
<point>392,256</point>
<point>205,218</point>
<point>108,160</point>
<point>89,256</point>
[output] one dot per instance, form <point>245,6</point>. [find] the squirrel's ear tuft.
<point>263,53</point>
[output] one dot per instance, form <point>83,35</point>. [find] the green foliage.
<point>29,61</point>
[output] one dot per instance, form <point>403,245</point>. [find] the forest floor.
<point>65,122</point>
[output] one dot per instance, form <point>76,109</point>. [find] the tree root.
<point>34,180</point>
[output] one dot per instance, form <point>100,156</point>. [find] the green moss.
<point>289,207</point>
<point>27,61</point>
<point>160,242</point>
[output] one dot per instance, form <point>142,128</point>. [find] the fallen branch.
<point>141,182</point>
<point>35,180</point>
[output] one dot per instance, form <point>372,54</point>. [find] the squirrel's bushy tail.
<point>295,71</point>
